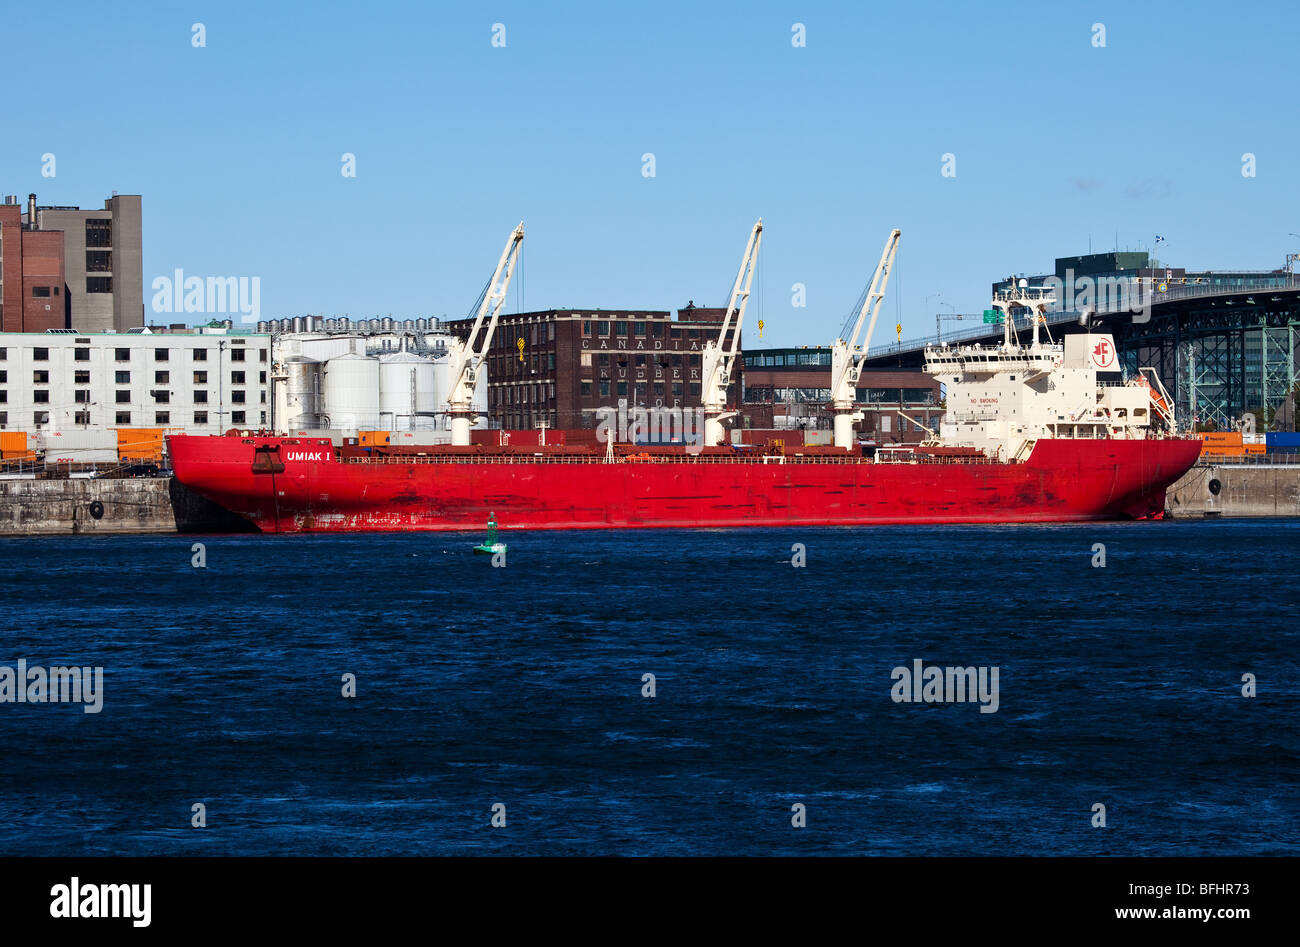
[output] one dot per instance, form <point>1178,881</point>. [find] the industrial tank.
<point>302,392</point>
<point>406,392</point>
<point>352,392</point>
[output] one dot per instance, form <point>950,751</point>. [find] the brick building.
<point>33,295</point>
<point>561,365</point>
<point>68,268</point>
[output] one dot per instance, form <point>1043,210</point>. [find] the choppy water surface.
<point>523,686</point>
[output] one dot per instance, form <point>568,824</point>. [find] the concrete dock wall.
<point>1243,490</point>
<point>140,505</point>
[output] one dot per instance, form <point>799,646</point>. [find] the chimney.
<point>31,212</point>
<point>11,198</point>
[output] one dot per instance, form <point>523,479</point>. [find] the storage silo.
<point>302,406</point>
<point>406,392</point>
<point>352,392</point>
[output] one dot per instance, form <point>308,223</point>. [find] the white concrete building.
<point>200,381</point>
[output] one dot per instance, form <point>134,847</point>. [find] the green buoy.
<point>490,546</point>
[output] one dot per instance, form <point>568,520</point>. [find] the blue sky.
<point>236,147</point>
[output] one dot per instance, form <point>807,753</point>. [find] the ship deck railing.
<point>760,461</point>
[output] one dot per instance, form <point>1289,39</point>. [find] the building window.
<point>4,418</point>
<point>122,355</point>
<point>80,378</point>
<point>40,355</point>
<point>237,355</point>
<point>237,397</point>
<point>162,417</point>
<point>602,329</point>
<point>586,389</point>
<point>122,378</point>
<point>82,355</point>
<point>161,355</point>
<point>123,417</point>
<point>81,417</point>
<point>40,417</point>
<point>161,378</point>
<point>162,397</point>
<point>99,261</point>
<point>200,417</point>
<point>200,378</point>
<point>263,417</point>
<point>261,378</point>
<point>99,284</point>
<point>41,292</point>
<point>200,397</point>
<point>124,397</point>
<point>82,396</point>
<point>4,377</point>
<point>200,355</point>
<point>99,232</point>
<point>237,418</point>
<point>41,396</point>
<point>40,378</point>
<point>236,378</point>
<point>261,355</point>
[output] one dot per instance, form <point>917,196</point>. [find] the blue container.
<point>1282,442</point>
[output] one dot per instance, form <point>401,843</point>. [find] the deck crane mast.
<point>719,357</point>
<point>848,357</point>
<point>467,356</point>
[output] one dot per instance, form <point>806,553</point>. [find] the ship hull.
<point>311,491</point>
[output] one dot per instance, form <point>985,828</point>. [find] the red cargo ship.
<point>1033,433</point>
<point>287,484</point>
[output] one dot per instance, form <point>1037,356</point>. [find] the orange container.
<point>13,446</point>
<point>373,438</point>
<point>1221,438</point>
<point>139,443</point>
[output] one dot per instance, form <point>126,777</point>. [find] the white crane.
<point>719,357</point>
<point>467,357</point>
<point>847,356</point>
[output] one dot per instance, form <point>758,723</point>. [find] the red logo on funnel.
<point>1103,354</point>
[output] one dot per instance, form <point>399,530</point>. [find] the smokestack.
<point>31,212</point>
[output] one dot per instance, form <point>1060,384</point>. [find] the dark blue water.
<point>522,686</point>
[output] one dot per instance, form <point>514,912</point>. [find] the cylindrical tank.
<point>352,392</point>
<point>263,327</point>
<point>298,323</point>
<point>406,391</point>
<point>302,392</point>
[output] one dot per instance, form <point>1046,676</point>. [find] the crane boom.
<point>718,358</point>
<point>848,355</point>
<point>467,357</point>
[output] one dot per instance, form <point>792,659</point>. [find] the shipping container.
<point>13,447</point>
<point>1288,440</point>
<point>1221,438</point>
<point>140,443</point>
